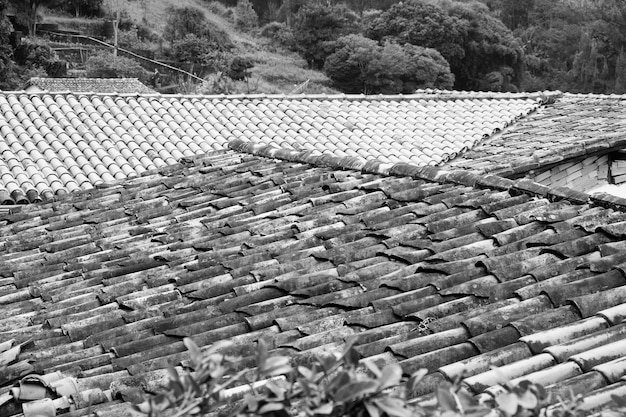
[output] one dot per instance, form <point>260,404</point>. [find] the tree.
<point>490,49</point>
<point>245,16</point>
<point>183,21</point>
<point>473,42</point>
<point>105,65</point>
<point>361,65</point>
<point>8,79</point>
<point>317,27</point>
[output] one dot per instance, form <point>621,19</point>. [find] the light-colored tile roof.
<point>446,271</point>
<point>56,143</point>
<point>89,85</point>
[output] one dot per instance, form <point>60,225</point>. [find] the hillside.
<point>274,71</point>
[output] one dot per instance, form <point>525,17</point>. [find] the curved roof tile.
<point>427,268</point>
<point>413,129</point>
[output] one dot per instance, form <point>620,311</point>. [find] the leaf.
<point>270,407</point>
<point>391,376</point>
<point>276,365</point>
<point>276,389</point>
<point>527,400</point>
<point>620,401</point>
<point>261,354</point>
<point>371,408</point>
<point>327,362</point>
<point>507,403</point>
<point>415,378</point>
<point>373,368</point>
<point>173,374</point>
<point>340,380</point>
<point>251,402</point>
<point>356,389</point>
<point>305,372</point>
<point>218,346</point>
<point>351,357</point>
<point>446,400</point>
<point>194,351</point>
<point>324,409</point>
<point>393,407</point>
<point>193,384</point>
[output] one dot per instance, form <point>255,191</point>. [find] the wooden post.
<point>116,22</point>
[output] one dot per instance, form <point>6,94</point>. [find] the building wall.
<point>579,175</point>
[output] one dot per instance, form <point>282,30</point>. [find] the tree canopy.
<point>362,65</point>
<point>318,26</point>
<point>475,43</point>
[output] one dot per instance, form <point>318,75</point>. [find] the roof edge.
<point>431,173</point>
<point>451,95</point>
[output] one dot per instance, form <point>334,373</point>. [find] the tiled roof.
<point>90,85</point>
<point>571,126</point>
<point>422,267</point>
<point>58,143</point>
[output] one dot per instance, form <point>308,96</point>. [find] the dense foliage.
<point>495,45</point>
<point>334,385</point>
<point>360,65</point>
<point>105,65</point>
<point>478,47</point>
<point>317,28</point>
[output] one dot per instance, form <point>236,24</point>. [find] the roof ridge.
<point>544,97</point>
<point>431,173</point>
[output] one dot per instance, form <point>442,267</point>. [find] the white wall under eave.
<point>584,175</point>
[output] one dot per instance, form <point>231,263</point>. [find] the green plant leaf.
<point>373,368</point>
<point>194,352</point>
<point>527,400</point>
<point>415,378</point>
<point>507,403</point>
<point>372,409</point>
<point>192,383</point>
<point>271,407</point>
<point>391,376</point>
<point>341,379</point>
<point>620,401</point>
<point>251,402</point>
<point>356,389</point>
<point>324,409</point>
<point>305,372</point>
<point>446,400</point>
<point>351,357</point>
<point>276,365</point>
<point>393,407</point>
<point>261,354</point>
<point>328,362</point>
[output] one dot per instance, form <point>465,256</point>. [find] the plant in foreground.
<point>333,386</point>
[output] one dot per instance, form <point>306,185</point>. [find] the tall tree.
<point>7,65</point>
<point>361,65</point>
<point>318,26</point>
<point>470,39</point>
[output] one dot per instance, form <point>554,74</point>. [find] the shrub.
<point>105,65</point>
<point>280,34</point>
<point>245,16</point>
<point>360,65</point>
<point>334,386</point>
<point>192,49</point>
<point>219,9</point>
<point>35,54</point>
<point>317,27</point>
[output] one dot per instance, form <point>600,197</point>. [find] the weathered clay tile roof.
<point>570,126</point>
<point>444,270</point>
<point>88,85</point>
<point>54,143</point>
